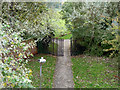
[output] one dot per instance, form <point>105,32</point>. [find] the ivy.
<point>13,72</point>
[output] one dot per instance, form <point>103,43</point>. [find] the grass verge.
<point>94,72</point>
<point>47,71</point>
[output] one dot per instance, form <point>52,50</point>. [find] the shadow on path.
<point>63,77</point>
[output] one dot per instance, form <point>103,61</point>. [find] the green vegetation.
<point>61,27</point>
<point>91,24</point>
<point>68,36</point>
<point>94,25</point>
<point>94,72</point>
<point>22,21</point>
<point>47,71</point>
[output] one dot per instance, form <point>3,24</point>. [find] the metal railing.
<point>55,47</point>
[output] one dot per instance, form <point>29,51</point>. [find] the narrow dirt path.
<point>63,72</point>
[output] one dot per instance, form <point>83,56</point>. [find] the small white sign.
<point>42,60</point>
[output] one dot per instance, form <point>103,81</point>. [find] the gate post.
<point>63,47</point>
<point>71,46</point>
<point>57,48</point>
<point>75,50</point>
<point>62,42</point>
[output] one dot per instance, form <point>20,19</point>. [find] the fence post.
<point>71,46</point>
<point>75,47</point>
<point>63,47</point>
<point>57,48</point>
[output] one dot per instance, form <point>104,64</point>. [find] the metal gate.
<point>73,47</point>
<point>55,47</point>
<point>60,51</point>
<point>58,47</point>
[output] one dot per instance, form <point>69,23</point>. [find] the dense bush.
<point>115,43</point>
<point>90,24</point>
<point>35,19</point>
<point>21,21</point>
<point>12,61</point>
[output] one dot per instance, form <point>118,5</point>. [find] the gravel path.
<point>63,77</point>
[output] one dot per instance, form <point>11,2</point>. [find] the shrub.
<point>12,64</point>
